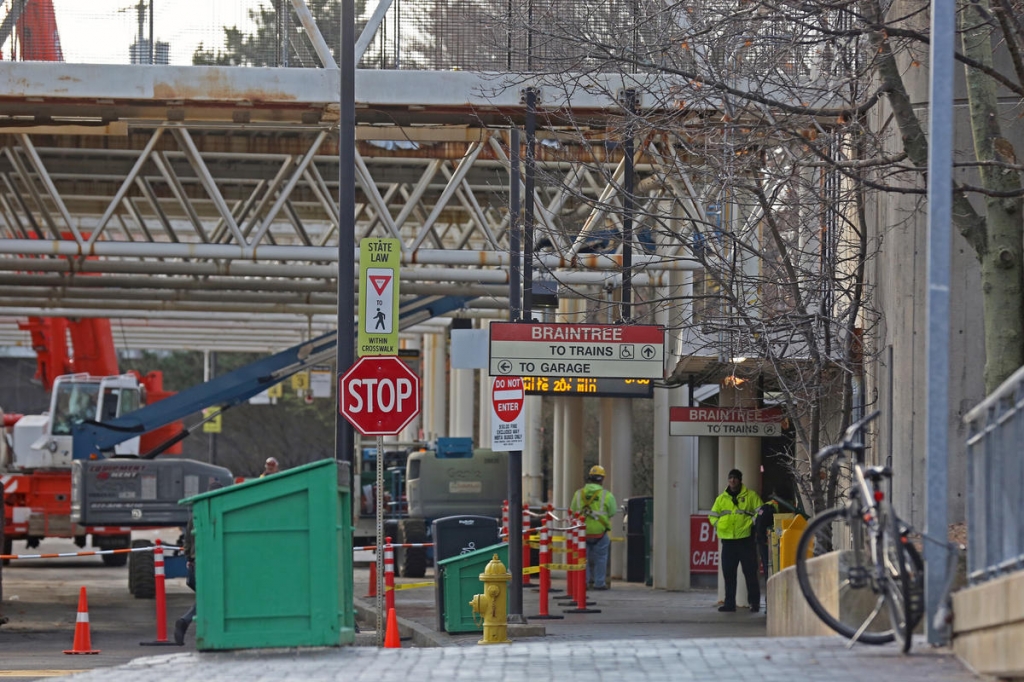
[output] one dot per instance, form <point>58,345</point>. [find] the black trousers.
<point>735,553</point>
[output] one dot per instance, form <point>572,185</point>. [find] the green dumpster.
<point>461,580</point>
<point>274,561</point>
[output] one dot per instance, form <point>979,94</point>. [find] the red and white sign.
<point>724,421</point>
<point>703,545</point>
<point>508,430</point>
<point>379,395</point>
<point>577,350</point>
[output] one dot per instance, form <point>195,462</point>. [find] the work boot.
<point>180,627</point>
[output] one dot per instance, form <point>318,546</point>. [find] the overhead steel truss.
<point>199,196</point>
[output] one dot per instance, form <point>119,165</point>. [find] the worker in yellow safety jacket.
<point>598,507</point>
<point>733,518</point>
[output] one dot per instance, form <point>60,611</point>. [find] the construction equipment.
<point>452,478</point>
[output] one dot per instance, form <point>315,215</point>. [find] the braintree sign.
<point>724,421</point>
<point>577,350</point>
<point>380,395</point>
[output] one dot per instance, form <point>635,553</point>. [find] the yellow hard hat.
<point>597,470</point>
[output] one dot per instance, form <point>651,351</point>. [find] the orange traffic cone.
<point>391,639</point>
<point>83,641</point>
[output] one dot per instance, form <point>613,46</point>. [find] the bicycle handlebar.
<point>848,442</point>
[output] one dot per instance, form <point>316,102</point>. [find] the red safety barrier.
<point>161,598</point>
<point>504,520</point>
<point>545,572</point>
<point>581,572</point>
<point>389,575</point>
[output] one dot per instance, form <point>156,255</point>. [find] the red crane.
<point>35,24</point>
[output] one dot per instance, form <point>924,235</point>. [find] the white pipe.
<point>327,254</point>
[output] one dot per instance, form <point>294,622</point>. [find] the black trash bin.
<point>453,536</point>
<point>636,539</point>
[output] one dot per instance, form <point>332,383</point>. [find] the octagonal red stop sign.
<point>379,395</point>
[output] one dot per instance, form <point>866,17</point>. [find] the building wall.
<point>897,377</point>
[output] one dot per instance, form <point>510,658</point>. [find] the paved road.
<point>640,634</point>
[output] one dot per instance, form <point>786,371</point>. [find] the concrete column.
<point>674,458</point>
<point>533,456</point>
<point>572,443</point>
<point>617,420</point>
<point>558,456</point>
<point>435,363</point>
<point>673,487</point>
<point>461,403</point>
<point>483,412</point>
<point>412,431</point>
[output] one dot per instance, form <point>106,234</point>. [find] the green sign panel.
<point>380,262</point>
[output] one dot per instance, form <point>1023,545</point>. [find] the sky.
<point>101,31</point>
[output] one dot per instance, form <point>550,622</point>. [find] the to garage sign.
<point>379,395</point>
<point>577,350</point>
<point>703,545</point>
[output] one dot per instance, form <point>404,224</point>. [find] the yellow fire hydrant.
<point>493,603</point>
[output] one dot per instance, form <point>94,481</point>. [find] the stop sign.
<point>379,395</point>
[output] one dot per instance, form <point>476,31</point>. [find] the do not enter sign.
<point>507,397</point>
<point>507,423</point>
<point>379,395</point>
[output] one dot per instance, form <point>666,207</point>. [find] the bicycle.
<point>877,562</point>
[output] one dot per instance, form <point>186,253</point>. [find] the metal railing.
<point>995,482</point>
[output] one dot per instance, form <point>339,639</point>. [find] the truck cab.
<point>44,441</point>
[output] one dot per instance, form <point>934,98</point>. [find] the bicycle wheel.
<point>851,602</point>
<point>904,575</point>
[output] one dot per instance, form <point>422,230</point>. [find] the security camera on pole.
<point>379,394</point>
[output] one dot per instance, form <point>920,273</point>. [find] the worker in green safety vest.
<point>598,507</point>
<point>733,517</point>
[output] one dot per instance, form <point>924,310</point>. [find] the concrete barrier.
<point>788,612</point>
<point>988,626</point>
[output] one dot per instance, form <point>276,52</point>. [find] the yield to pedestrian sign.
<point>508,426</point>
<point>380,262</point>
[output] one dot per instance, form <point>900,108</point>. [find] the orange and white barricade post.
<point>527,531</point>
<point>545,571</point>
<point>161,599</point>
<point>389,575</point>
<point>550,517</point>
<point>571,559</point>
<point>580,592</point>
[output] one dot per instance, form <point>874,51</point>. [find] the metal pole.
<point>627,211</point>
<point>940,203</point>
<point>344,435</point>
<point>152,45</point>
<point>379,552</point>
<point>515,457</point>
<point>528,224</point>
<point>514,290</point>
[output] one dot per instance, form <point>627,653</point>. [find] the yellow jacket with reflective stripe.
<point>735,521</point>
<point>598,505</point>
